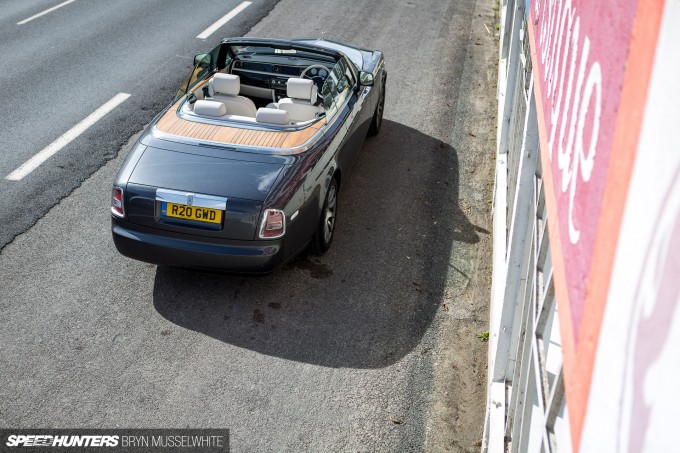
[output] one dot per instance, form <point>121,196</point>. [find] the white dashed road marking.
<point>45,12</point>
<point>226,18</point>
<point>51,149</point>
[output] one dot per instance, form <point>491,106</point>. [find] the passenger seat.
<point>225,89</point>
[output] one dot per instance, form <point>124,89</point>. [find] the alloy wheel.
<point>329,215</point>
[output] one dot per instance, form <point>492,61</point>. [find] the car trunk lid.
<point>225,194</point>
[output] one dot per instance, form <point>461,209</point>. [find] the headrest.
<point>301,89</point>
<point>272,116</point>
<point>209,108</point>
<point>228,84</point>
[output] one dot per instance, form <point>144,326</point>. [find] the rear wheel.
<point>376,123</point>
<point>323,236</point>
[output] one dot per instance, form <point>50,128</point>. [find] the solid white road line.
<point>45,12</point>
<point>35,161</point>
<point>226,18</point>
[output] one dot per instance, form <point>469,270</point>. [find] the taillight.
<point>273,224</point>
<point>117,207</point>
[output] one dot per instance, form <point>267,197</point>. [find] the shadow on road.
<point>367,302</point>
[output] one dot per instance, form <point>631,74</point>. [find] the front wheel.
<point>376,122</point>
<point>323,236</point>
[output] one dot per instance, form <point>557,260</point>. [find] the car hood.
<point>209,175</point>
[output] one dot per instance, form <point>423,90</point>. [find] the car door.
<point>342,105</point>
<point>341,99</point>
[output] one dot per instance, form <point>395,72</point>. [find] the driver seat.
<point>302,94</point>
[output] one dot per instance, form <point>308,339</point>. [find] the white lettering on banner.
<point>559,44</point>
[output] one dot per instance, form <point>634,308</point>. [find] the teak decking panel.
<point>170,123</point>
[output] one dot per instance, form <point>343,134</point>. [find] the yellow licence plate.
<point>181,211</point>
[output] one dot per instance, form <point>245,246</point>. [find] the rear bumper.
<point>172,249</point>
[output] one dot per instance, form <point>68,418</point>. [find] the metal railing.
<point>526,408</point>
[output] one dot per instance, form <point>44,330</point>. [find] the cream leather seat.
<point>225,88</point>
<point>272,116</point>
<point>204,107</point>
<point>302,94</point>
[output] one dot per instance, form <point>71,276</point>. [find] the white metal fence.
<point>526,408</point>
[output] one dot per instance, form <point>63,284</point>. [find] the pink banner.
<point>581,49</point>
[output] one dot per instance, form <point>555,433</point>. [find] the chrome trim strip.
<point>191,199</point>
<point>295,214</point>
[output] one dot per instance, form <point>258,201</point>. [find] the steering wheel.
<point>317,79</point>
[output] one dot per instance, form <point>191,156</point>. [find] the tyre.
<point>376,122</point>
<point>323,236</point>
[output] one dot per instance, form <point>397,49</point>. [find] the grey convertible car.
<point>242,171</point>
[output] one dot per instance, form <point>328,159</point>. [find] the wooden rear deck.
<point>170,123</point>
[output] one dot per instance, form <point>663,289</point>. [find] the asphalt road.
<point>59,68</point>
<point>372,347</point>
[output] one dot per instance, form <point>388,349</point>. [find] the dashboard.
<point>263,76</point>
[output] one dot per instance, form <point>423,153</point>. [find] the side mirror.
<point>202,58</point>
<point>365,79</point>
